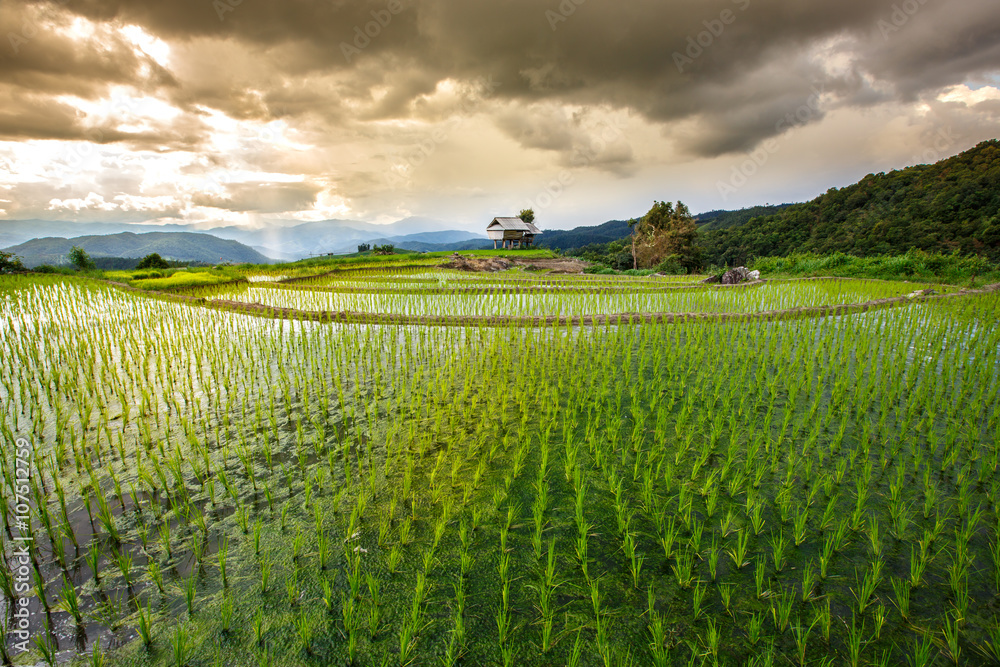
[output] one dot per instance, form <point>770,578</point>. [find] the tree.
<point>79,258</point>
<point>527,215</point>
<point>387,249</point>
<point>665,230</point>
<point>10,263</point>
<point>152,261</point>
<point>364,247</point>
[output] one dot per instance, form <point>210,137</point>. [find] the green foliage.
<point>615,255</point>
<point>364,247</point>
<point>913,265</point>
<point>387,249</point>
<point>672,265</point>
<point>581,237</point>
<point>10,263</point>
<point>79,258</point>
<point>950,206</point>
<point>725,219</point>
<point>182,279</point>
<point>527,215</point>
<point>48,268</point>
<point>153,261</point>
<point>666,230</point>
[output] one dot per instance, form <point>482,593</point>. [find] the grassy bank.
<point>914,265</point>
<point>172,279</point>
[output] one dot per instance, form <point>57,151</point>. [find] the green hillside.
<point>949,206</point>
<point>723,219</point>
<point>183,246</point>
<point>582,236</point>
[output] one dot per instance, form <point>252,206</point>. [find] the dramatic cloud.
<point>227,110</point>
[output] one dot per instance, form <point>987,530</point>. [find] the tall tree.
<point>79,258</point>
<point>665,230</point>
<point>527,215</point>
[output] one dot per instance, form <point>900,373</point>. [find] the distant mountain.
<point>953,205</point>
<point>182,246</point>
<point>476,243</point>
<point>13,232</point>
<point>581,236</point>
<point>334,236</point>
<point>726,219</point>
<point>276,239</point>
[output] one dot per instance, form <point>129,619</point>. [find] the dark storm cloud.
<point>734,68</point>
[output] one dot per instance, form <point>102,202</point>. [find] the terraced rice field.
<point>207,487</point>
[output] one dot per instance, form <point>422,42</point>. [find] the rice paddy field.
<point>188,485</point>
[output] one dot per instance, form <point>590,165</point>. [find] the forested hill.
<point>951,205</point>
<point>582,236</point>
<point>725,219</point>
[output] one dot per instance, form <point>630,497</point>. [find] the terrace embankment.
<point>349,317</point>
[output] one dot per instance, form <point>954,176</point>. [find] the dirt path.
<point>561,265</point>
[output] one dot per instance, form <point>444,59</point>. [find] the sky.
<point>255,112</point>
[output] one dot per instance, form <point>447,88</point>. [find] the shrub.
<point>671,266</point>
<point>152,261</point>
<point>10,263</point>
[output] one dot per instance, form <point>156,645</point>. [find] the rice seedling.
<point>738,551</point>
<point>329,411</point>
<point>145,627</point>
<point>781,610</point>
<point>190,593</point>
<point>180,645</point>
<point>46,647</point>
<point>755,627</point>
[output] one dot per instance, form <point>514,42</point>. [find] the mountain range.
<point>184,246</point>
<point>42,241</point>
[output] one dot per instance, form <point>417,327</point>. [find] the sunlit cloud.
<point>460,111</point>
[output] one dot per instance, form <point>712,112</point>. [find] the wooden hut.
<point>512,232</point>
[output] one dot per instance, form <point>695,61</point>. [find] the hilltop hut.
<point>512,232</point>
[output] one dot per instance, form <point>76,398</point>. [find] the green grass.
<point>170,279</point>
<point>914,265</point>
